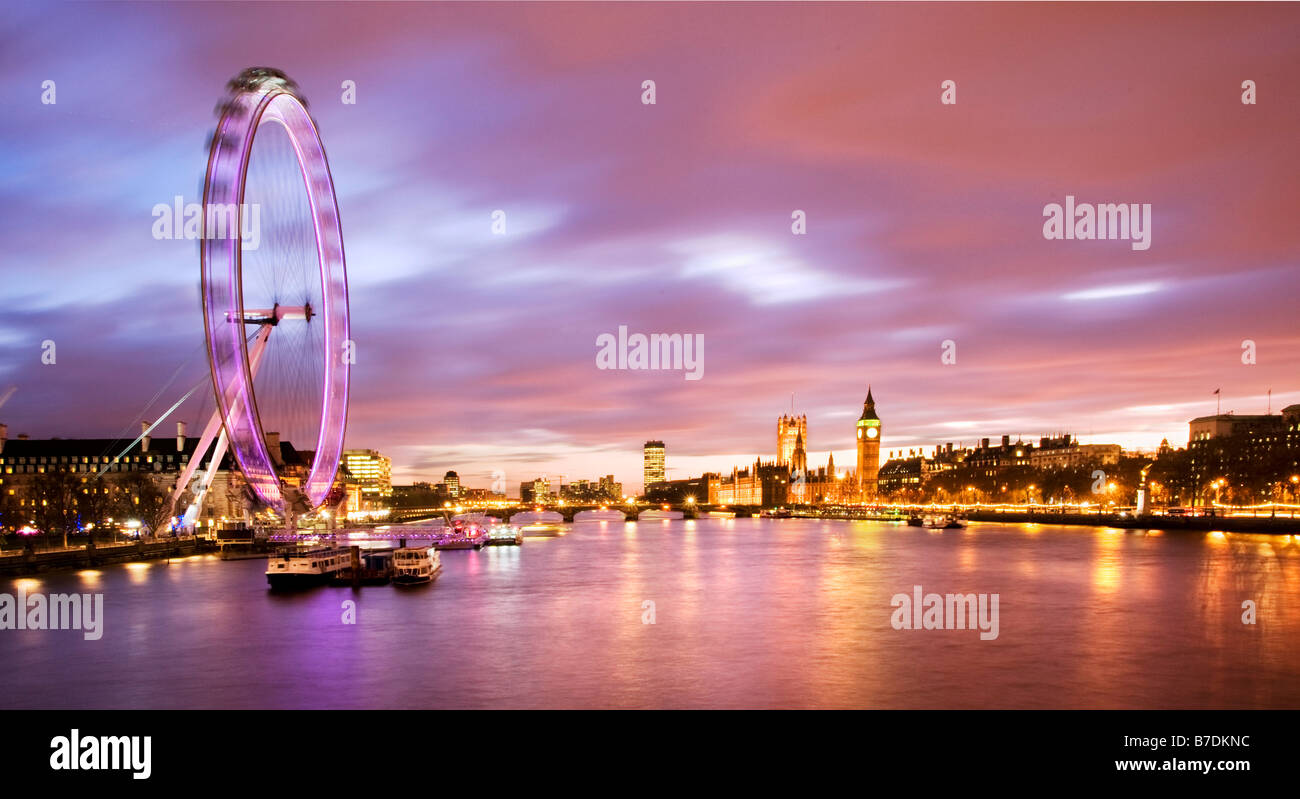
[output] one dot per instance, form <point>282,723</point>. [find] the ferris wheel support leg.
<point>205,441</point>
<point>192,513</point>
<point>210,431</point>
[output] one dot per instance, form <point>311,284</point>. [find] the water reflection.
<point>746,613</point>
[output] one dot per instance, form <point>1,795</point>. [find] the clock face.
<point>872,432</point>
<point>859,432</point>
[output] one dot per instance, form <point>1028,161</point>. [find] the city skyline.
<point>719,463</point>
<point>921,231</point>
<point>786,440</point>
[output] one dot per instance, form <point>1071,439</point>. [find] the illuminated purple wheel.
<point>275,293</point>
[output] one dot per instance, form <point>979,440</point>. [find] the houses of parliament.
<point>825,485</point>
<point>788,479</point>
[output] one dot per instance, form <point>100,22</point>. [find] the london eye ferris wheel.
<point>275,297</point>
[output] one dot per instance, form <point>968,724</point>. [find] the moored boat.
<point>300,568</point>
<point>463,535</point>
<point>366,567</point>
<point>415,565</point>
<point>502,534</point>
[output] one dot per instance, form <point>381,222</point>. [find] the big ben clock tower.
<point>868,449</point>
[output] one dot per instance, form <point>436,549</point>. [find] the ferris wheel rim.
<point>254,101</point>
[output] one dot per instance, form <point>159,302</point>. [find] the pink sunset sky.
<point>477,352</point>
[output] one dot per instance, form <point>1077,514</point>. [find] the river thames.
<point>746,613</point>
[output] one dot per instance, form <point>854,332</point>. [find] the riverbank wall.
<point>27,563</point>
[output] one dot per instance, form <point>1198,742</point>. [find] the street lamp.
<point>1218,488</point>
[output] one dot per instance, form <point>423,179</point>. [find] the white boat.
<point>463,535</point>
<point>501,534</point>
<point>600,515</point>
<point>415,565</point>
<point>653,514</point>
<point>304,567</point>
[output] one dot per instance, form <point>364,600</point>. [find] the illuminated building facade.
<point>1248,452</point>
<point>580,491</point>
<point>765,484</point>
<point>790,430</point>
<point>611,488</point>
<point>372,471</point>
<point>1065,452</point>
<point>537,491</point>
<point>902,475</point>
<point>126,478</point>
<point>653,458</point>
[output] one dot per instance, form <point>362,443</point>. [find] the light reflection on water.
<point>748,613</point>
